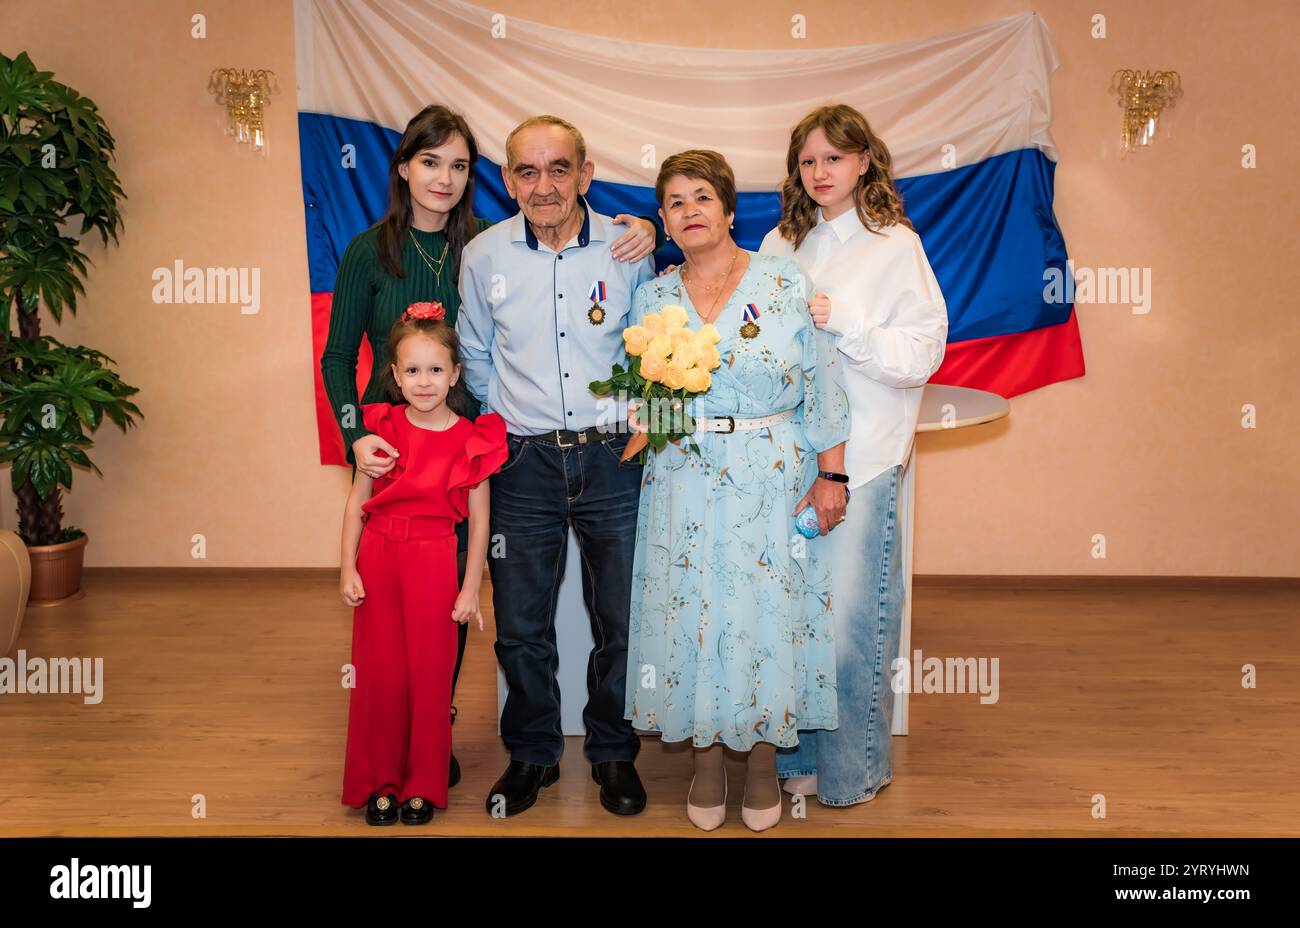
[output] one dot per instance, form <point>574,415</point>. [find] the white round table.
<point>942,407</point>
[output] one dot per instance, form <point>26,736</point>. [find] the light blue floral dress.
<point>729,637</point>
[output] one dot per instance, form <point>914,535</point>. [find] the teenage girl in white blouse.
<point>843,221</point>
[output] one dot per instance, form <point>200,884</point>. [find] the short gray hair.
<point>578,143</point>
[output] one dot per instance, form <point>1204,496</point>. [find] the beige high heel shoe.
<point>708,817</point>
<point>760,819</point>
<point>801,786</point>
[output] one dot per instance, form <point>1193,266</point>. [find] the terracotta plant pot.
<point>56,572</point>
<point>15,583</point>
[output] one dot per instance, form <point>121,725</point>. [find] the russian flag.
<point>966,117</point>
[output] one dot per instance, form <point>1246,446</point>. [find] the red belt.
<point>400,528</point>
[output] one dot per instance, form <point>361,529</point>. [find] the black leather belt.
<point>566,438</point>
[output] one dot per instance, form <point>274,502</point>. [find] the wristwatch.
<point>831,475</point>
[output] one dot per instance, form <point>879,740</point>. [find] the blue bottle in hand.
<point>806,521</point>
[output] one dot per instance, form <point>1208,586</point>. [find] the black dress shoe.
<point>416,811</point>
<point>621,791</point>
<point>518,787</point>
<point>381,810</point>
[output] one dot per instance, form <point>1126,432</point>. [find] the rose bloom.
<point>674,377</point>
<point>654,324</point>
<point>710,332</point>
<point>686,354</point>
<point>673,316</point>
<point>698,380</point>
<point>706,356</point>
<point>661,344</point>
<point>635,339</point>
<point>652,365</point>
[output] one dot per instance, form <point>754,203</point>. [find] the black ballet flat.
<point>416,811</point>
<point>381,810</point>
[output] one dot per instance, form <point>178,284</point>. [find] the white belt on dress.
<point>728,424</point>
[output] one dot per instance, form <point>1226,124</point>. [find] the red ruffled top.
<point>435,470</point>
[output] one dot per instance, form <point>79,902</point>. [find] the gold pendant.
<point>749,330</point>
<point>596,314</point>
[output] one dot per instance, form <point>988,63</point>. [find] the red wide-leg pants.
<point>404,653</point>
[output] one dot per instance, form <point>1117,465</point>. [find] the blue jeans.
<point>540,492</point>
<point>855,760</point>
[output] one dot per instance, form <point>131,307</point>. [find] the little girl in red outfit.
<point>399,571</point>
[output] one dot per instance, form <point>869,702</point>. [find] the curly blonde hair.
<point>876,198</point>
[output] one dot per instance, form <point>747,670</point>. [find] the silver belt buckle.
<point>732,422</point>
<point>559,440</point>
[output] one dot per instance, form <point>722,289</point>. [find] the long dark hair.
<point>438,329</point>
<point>429,128</point>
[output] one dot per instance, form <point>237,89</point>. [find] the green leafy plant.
<point>55,167</point>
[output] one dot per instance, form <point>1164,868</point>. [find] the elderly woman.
<point>730,632</point>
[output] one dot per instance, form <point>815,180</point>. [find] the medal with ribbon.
<point>750,328</point>
<point>596,315</point>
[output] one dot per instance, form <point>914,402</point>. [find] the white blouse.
<point>890,323</point>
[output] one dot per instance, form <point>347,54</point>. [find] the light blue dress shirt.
<point>529,347</point>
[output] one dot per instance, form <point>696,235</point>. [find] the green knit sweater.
<point>368,301</point>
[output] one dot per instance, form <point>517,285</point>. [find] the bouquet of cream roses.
<point>669,365</point>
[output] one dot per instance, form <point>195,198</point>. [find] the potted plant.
<point>54,168</point>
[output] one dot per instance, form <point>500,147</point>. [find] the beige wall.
<point>1147,449</point>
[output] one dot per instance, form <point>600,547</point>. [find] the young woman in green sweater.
<point>412,255</point>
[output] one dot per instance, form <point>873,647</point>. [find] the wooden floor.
<point>226,684</point>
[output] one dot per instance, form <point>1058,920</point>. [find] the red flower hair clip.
<point>433,310</point>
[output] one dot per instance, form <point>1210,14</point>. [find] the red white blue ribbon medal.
<point>596,314</point>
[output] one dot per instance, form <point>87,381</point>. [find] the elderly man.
<point>544,304</point>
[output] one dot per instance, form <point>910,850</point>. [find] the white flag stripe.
<point>985,91</point>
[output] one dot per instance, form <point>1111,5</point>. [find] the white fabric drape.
<point>984,91</point>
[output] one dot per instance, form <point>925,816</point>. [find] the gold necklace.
<point>725,278</point>
<point>447,414</point>
<point>707,288</point>
<point>425,256</point>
